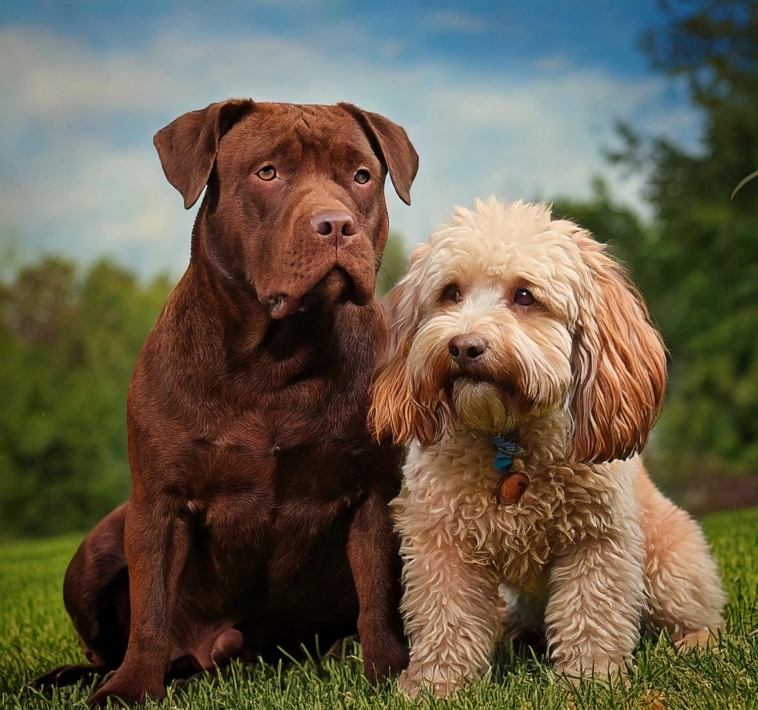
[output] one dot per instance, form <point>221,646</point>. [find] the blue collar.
<point>506,450</point>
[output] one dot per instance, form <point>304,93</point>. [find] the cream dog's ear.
<point>619,361</point>
<point>394,410</point>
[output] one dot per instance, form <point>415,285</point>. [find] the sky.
<point>501,97</point>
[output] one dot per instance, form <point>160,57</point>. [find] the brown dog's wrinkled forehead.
<point>314,117</point>
<point>294,128</point>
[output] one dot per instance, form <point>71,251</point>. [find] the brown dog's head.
<point>505,316</point>
<point>295,201</point>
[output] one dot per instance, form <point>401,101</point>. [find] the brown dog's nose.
<point>464,349</point>
<point>332,224</point>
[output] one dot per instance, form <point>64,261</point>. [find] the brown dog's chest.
<point>268,476</point>
<point>271,454</point>
<point>271,521</point>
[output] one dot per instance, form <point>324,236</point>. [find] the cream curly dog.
<point>526,374</point>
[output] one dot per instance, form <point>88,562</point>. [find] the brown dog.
<point>258,517</point>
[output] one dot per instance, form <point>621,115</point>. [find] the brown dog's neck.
<point>247,332</point>
<point>247,322</point>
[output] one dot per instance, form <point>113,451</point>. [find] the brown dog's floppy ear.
<point>394,409</point>
<point>187,146</point>
<point>619,363</point>
<point>390,142</point>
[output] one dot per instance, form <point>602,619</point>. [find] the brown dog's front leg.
<point>375,561</point>
<point>156,543</point>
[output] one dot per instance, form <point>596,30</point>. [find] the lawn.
<point>36,635</point>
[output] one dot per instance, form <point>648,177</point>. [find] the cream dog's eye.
<point>361,176</point>
<point>452,293</point>
<point>267,172</point>
<point>523,297</point>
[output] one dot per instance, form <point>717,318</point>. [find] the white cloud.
<point>49,77</point>
<point>552,62</point>
<point>95,186</point>
<point>458,22</point>
<point>114,203</point>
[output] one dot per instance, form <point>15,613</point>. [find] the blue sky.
<point>515,99</point>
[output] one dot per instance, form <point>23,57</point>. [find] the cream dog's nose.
<point>466,348</point>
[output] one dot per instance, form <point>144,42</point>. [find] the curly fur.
<point>592,549</point>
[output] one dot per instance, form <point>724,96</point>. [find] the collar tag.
<point>507,449</point>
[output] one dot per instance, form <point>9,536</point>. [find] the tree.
<point>394,264</point>
<point>702,272</point>
<point>628,239</point>
<point>68,344</point>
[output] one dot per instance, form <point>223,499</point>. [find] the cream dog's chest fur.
<point>449,495</point>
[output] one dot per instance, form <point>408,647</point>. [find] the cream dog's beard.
<point>479,406</point>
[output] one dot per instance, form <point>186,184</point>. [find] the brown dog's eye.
<point>452,293</point>
<point>361,176</point>
<point>523,297</point>
<point>267,172</point>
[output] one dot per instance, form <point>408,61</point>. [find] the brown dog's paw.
<point>66,675</point>
<point>126,692</point>
<point>389,660</point>
<point>227,646</point>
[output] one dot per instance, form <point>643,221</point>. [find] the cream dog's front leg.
<point>450,605</point>
<point>595,603</point>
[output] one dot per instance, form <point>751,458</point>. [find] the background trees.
<point>697,262</point>
<point>68,343</point>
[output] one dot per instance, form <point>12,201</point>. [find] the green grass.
<point>36,635</point>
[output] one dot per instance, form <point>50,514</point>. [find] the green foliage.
<point>628,239</point>
<point>697,263</point>
<point>711,44</point>
<point>68,344</point>
<point>36,635</point>
<point>394,264</point>
<point>707,244</point>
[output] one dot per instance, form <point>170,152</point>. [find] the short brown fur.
<point>258,517</point>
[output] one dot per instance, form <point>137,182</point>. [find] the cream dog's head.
<point>506,315</point>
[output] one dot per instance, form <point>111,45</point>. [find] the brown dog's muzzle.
<point>334,262</point>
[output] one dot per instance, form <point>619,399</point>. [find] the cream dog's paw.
<point>704,638</point>
<point>603,670</point>
<point>432,679</point>
<point>409,683</point>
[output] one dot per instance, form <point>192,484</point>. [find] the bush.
<point>68,344</point>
